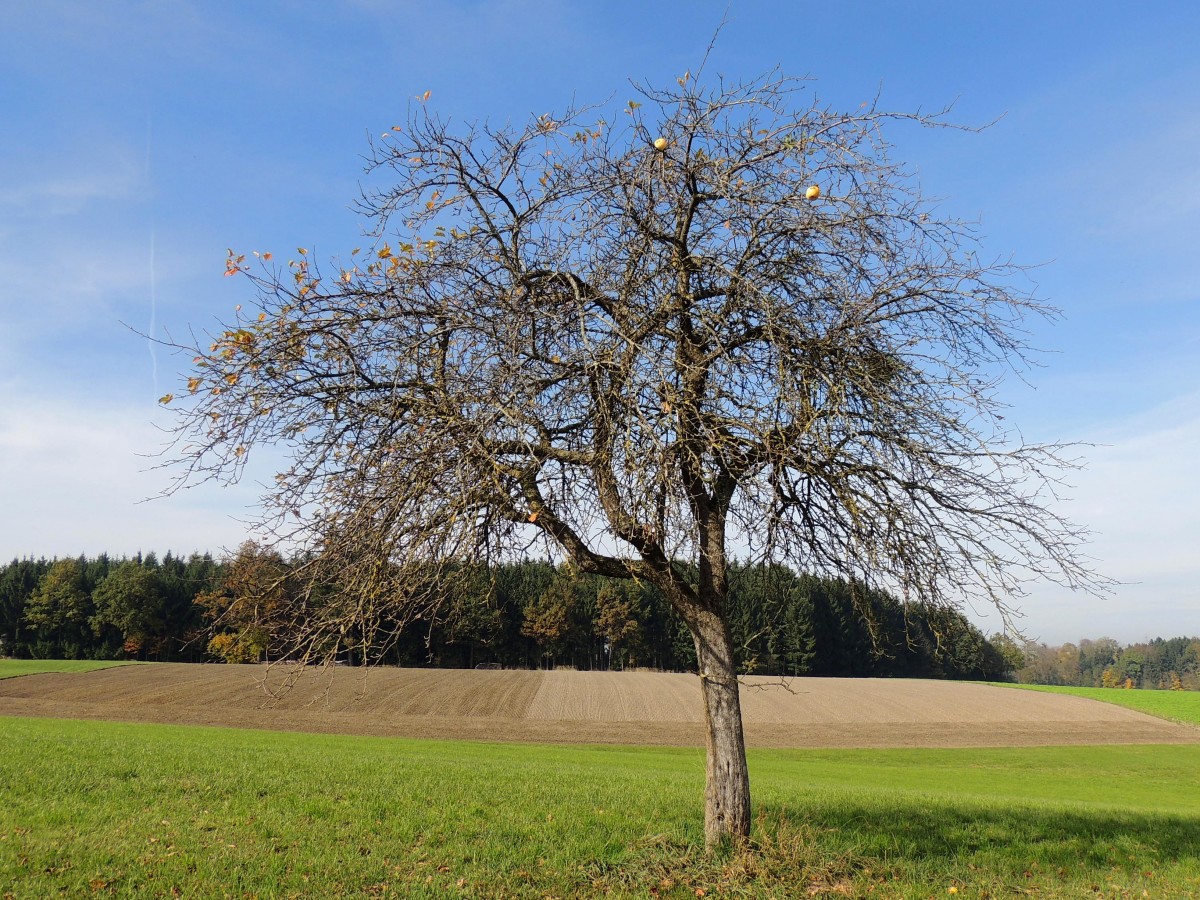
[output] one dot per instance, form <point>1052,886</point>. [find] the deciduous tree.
<point>553,618</point>
<point>58,610</point>
<point>130,600</point>
<point>619,622</point>
<point>254,611</point>
<point>719,316</point>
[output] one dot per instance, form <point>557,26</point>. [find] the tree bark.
<point>727,787</point>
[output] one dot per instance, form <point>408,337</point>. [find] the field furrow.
<point>581,707</point>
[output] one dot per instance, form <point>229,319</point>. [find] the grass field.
<point>11,668</point>
<point>1177,706</point>
<point>95,809</point>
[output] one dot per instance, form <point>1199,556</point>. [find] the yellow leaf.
<point>193,384</point>
<point>166,398</point>
<point>239,451</point>
<point>231,379</point>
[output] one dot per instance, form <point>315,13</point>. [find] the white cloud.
<point>1142,492</point>
<point>65,193</point>
<point>1140,495</point>
<point>74,483</point>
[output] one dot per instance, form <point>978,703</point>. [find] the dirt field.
<point>582,707</point>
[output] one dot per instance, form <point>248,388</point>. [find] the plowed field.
<point>581,707</point>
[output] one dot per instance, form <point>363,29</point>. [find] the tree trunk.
<point>727,788</point>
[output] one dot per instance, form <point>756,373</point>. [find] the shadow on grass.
<point>940,833</point>
<point>843,849</point>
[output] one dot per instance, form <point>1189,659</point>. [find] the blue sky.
<point>142,139</point>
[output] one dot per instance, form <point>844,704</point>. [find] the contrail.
<point>153,309</point>
<point>153,266</point>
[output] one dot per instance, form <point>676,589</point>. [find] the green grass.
<point>11,668</point>
<point>1178,706</point>
<point>109,809</point>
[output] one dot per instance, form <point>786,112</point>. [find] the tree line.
<point>1163,664</point>
<point>528,614</point>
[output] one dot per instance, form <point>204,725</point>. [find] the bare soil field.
<point>581,707</point>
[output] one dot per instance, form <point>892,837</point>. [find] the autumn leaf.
<point>166,398</point>
<point>193,385</point>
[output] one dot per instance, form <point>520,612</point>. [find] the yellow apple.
<point>660,144</point>
<point>812,193</point>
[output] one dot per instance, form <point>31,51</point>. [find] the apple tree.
<point>717,319</point>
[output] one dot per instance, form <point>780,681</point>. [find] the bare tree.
<point>720,318</point>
